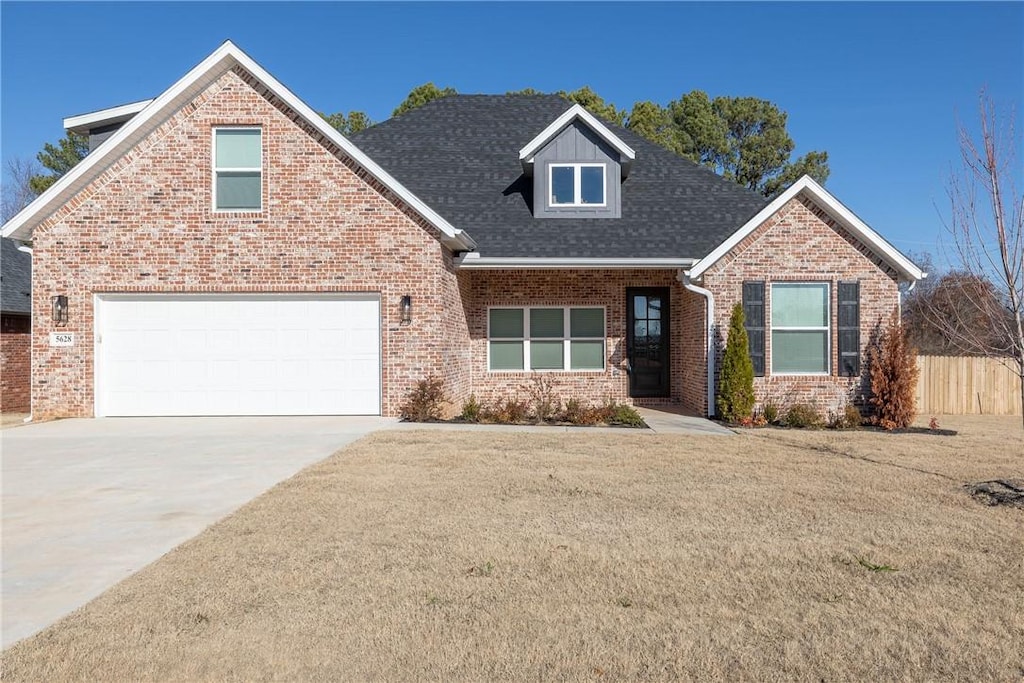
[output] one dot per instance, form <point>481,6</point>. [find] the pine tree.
<point>893,364</point>
<point>736,388</point>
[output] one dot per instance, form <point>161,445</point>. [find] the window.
<point>800,328</point>
<point>238,169</point>
<point>577,184</point>
<point>546,338</point>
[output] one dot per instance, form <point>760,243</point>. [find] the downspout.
<point>684,278</point>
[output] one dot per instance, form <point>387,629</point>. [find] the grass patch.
<point>416,555</point>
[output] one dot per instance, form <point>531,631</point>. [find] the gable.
<point>829,209</point>
<point>178,97</point>
<point>577,143</point>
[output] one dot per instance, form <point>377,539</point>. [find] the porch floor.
<point>675,419</point>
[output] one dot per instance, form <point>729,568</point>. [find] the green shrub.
<point>803,415</point>
<point>736,385</point>
<point>770,412</point>
<point>471,409</point>
<point>423,403</point>
<point>625,415</point>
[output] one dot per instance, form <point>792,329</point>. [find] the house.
<point>15,326</point>
<point>222,250</point>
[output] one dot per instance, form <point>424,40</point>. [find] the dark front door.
<point>647,341</point>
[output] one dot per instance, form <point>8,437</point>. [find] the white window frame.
<point>566,339</point>
<point>216,169</point>
<point>827,328</point>
<point>578,185</point>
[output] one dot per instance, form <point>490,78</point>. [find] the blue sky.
<point>877,85</point>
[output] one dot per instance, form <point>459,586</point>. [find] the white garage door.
<point>238,355</point>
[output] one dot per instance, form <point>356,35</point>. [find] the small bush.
<point>543,401</point>
<point>507,411</point>
<point>770,412</point>
<point>622,414</point>
<point>424,403</point>
<point>893,368</point>
<point>573,411</point>
<point>471,409</point>
<point>736,385</point>
<point>803,416</point>
<point>847,418</point>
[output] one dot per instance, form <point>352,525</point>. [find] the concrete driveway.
<point>86,503</point>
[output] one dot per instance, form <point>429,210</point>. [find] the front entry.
<point>647,341</point>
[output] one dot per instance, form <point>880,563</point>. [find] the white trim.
<point>574,112</point>
<point>577,179</point>
<point>83,123</point>
<point>473,260</point>
<point>904,266</point>
<point>826,328</point>
<point>214,169</point>
<point>224,58</point>
<point>566,339</point>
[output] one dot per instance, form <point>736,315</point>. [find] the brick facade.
<point>15,343</point>
<point>800,243</point>
<point>146,225</point>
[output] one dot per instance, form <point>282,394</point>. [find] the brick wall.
<point>488,288</point>
<point>15,343</point>
<point>146,225</point>
<point>801,243</point>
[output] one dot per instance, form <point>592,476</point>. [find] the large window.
<point>237,169</point>
<point>546,338</point>
<point>577,184</point>
<point>800,328</point>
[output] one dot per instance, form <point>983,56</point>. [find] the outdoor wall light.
<point>406,310</point>
<point>60,310</point>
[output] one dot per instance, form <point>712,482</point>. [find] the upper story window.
<point>238,169</point>
<point>577,184</point>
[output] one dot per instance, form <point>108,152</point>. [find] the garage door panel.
<point>244,355</point>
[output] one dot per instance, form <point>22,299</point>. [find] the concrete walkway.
<point>86,503</point>
<point>675,420</point>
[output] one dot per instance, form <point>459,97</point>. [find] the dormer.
<point>577,165</point>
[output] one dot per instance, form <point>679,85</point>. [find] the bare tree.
<point>986,224</point>
<point>17,188</point>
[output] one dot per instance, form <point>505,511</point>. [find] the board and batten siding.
<point>577,144</point>
<point>966,385</point>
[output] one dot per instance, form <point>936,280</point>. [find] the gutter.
<point>684,278</point>
<point>473,260</point>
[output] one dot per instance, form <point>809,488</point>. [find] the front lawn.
<point>416,555</point>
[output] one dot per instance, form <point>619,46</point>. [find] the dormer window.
<point>577,184</point>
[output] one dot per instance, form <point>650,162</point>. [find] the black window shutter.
<point>849,329</point>
<point>753,314</point>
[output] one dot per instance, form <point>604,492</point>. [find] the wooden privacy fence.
<point>964,385</point>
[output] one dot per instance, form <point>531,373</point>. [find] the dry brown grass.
<point>468,556</point>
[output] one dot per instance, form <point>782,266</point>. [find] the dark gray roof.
<point>460,155</point>
<point>15,278</point>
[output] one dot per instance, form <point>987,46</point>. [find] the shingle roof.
<point>460,155</point>
<point>15,278</point>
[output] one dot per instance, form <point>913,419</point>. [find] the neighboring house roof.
<point>15,278</point>
<point>224,58</point>
<point>461,155</point>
